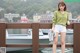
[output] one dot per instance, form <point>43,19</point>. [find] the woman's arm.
<point>69,16</point>
<point>54,20</point>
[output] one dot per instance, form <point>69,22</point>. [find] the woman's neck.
<point>62,12</point>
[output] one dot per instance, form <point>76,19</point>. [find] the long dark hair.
<point>62,4</point>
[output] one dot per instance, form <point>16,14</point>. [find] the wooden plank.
<point>50,45</point>
<point>35,38</point>
<point>2,35</point>
<point>18,25</point>
<point>49,25</point>
<point>29,25</point>
<point>71,26</point>
<point>18,45</point>
<point>76,38</point>
<point>45,25</point>
<point>41,45</point>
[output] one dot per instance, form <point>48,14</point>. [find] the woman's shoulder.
<point>55,12</point>
<point>59,11</point>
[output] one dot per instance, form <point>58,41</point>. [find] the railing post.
<point>2,35</point>
<point>35,37</point>
<point>76,48</point>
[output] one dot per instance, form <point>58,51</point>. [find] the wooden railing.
<point>35,38</point>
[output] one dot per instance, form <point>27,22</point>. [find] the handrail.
<point>35,31</point>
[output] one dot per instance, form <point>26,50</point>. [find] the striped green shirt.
<point>59,18</point>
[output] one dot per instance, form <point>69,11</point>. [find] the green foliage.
<point>30,7</point>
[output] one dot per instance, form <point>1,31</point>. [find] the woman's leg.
<point>55,41</point>
<point>63,36</point>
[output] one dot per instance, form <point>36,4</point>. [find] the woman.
<point>60,21</point>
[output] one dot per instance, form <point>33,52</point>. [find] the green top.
<point>59,18</point>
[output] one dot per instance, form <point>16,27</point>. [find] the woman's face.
<point>61,7</point>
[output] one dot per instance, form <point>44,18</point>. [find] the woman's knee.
<point>62,42</point>
<point>55,41</point>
